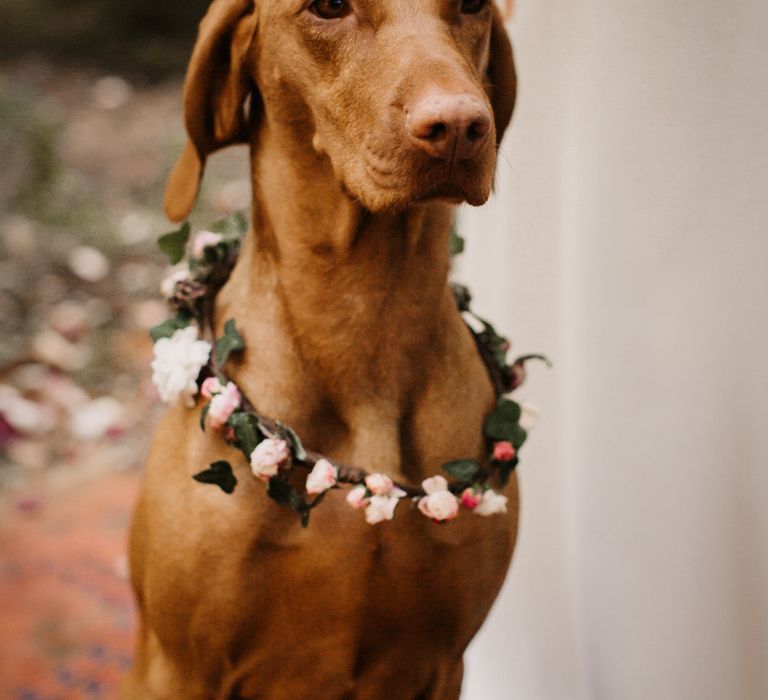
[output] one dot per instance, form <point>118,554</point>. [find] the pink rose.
<point>379,484</point>
<point>210,387</point>
<point>322,477</point>
<point>356,497</point>
<point>470,498</point>
<point>267,458</point>
<point>440,506</point>
<point>223,405</point>
<point>381,508</point>
<point>203,240</point>
<point>504,452</point>
<point>491,503</point>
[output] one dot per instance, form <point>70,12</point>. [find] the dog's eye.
<point>471,7</point>
<point>330,9</point>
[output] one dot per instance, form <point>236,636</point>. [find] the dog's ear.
<point>216,91</point>
<point>501,79</point>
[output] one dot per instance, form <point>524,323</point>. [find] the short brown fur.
<point>354,340</point>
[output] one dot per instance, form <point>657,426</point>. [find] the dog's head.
<point>408,99</point>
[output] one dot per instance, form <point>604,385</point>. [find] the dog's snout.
<point>449,127</point>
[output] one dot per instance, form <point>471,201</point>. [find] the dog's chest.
<point>364,598</point>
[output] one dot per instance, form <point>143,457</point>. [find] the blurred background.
<point>90,124</point>
<point>627,240</point>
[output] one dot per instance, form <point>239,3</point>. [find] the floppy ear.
<point>501,79</point>
<point>216,90</point>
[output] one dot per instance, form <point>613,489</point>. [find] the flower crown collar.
<point>190,362</point>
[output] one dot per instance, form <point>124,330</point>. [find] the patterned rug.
<point>66,611</point>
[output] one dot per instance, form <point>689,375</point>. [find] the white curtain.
<point>629,241</point>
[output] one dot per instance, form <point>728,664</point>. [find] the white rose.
<point>97,418</point>
<point>381,508</point>
<point>491,503</point>
<point>267,458</point>
<point>177,364</point>
<point>322,477</point>
<point>440,506</point>
<point>379,484</point>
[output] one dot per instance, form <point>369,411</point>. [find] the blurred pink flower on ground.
<point>25,416</point>
<point>111,92</point>
<point>62,391</point>
<point>88,263</point>
<point>102,417</point>
<point>70,319</point>
<point>149,313</point>
<point>54,349</point>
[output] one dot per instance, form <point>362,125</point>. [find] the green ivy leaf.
<point>174,244</point>
<point>297,448</point>
<point>220,474</point>
<point>456,244</point>
<point>502,424</point>
<point>519,436</point>
<point>232,225</point>
<point>247,431</point>
<point>167,328</point>
<point>230,342</point>
<point>462,469</point>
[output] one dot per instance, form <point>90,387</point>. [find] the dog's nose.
<point>449,127</point>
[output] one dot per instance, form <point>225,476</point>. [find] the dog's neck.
<point>360,300</point>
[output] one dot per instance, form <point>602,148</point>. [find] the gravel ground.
<point>85,156</point>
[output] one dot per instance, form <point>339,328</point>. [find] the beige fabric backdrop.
<point>629,240</point>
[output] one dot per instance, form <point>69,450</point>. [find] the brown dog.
<point>367,120</point>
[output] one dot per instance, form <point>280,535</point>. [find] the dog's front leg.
<point>154,676</point>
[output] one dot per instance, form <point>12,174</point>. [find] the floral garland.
<point>186,364</point>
